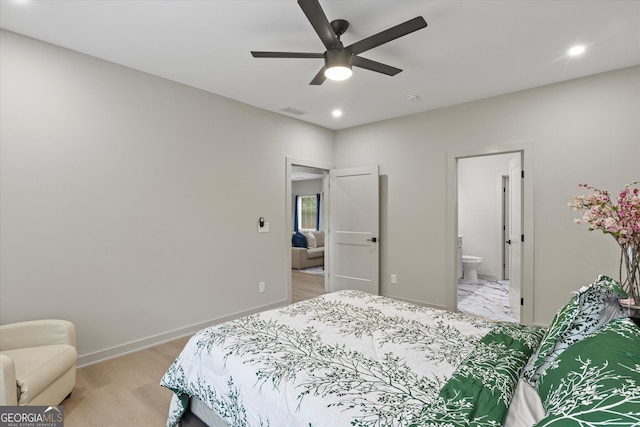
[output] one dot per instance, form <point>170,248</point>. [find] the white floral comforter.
<point>345,358</point>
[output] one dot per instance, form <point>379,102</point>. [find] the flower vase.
<point>631,284</point>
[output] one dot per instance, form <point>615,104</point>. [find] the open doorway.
<point>483,229</point>
<point>308,249</point>
<point>351,207</point>
<point>521,232</point>
<point>307,218</point>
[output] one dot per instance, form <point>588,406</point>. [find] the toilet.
<point>470,266</point>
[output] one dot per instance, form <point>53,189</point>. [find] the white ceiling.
<point>471,49</point>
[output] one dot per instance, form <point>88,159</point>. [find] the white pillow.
<point>311,239</point>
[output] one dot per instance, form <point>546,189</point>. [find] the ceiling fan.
<point>338,59</point>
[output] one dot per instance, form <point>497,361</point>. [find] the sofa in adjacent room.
<point>307,249</point>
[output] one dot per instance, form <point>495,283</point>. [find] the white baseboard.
<point>121,350</point>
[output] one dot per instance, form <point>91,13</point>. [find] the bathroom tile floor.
<point>488,299</point>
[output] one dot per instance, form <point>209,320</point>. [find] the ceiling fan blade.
<point>379,67</point>
<point>387,35</point>
<point>319,78</point>
<point>320,23</point>
<point>259,54</point>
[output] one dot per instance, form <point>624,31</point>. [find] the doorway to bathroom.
<point>521,274</point>
<point>488,211</point>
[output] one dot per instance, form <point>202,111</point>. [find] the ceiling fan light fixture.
<point>338,72</point>
<point>337,64</point>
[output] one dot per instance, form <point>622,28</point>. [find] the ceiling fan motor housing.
<point>333,57</point>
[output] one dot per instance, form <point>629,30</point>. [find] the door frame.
<point>525,148</point>
<point>289,163</point>
<point>504,268</point>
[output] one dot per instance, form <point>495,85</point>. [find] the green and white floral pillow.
<point>596,381</point>
<point>588,310</point>
<point>560,323</point>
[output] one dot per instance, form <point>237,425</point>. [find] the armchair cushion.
<point>39,367</point>
<point>315,253</point>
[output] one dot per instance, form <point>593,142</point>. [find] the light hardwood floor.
<point>305,286</point>
<point>126,391</point>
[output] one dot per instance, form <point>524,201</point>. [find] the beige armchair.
<point>37,362</point>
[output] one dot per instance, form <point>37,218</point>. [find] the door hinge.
<point>522,237</point>
<point>522,174</point>
<point>521,301</point>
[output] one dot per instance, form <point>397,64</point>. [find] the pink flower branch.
<point>621,220</point>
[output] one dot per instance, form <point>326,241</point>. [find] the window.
<point>308,212</point>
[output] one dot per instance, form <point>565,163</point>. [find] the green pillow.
<point>560,323</point>
<point>587,311</point>
<point>596,381</point>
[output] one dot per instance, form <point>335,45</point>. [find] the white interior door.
<point>354,229</point>
<point>515,235</point>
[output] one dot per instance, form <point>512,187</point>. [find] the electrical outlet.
<point>262,286</point>
<point>394,279</point>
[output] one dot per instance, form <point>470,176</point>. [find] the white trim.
<point>121,350</point>
<point>451,233</point>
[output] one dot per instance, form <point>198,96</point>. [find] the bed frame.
<point>199,415</point>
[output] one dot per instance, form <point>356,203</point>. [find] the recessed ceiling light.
<point>336,113</point>
<point>577,50</point>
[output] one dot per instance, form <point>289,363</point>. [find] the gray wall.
<point>123,194</point>
<point>130,203</point>
<point>585,130</point>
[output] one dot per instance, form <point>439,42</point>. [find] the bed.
<point>350,358</point>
